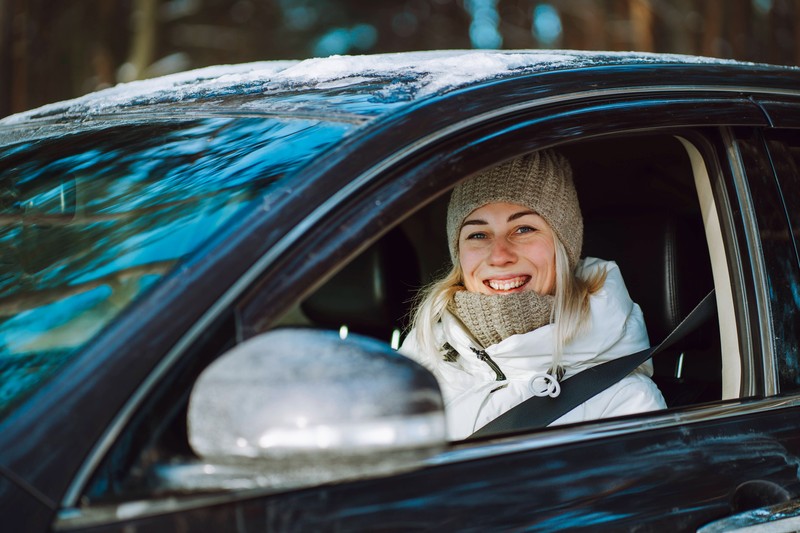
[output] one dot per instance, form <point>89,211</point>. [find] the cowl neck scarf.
<point>494,318</point>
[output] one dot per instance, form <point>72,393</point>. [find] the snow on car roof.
<point>409,74</point>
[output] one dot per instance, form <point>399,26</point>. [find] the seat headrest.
<point>663,258</point>
<point>373,293</point>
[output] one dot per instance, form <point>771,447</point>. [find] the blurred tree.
<point>712,29</point>
<point>143,40</point>
<point>641,20</point>
<point>784,47</point>
<point>49,51</point>
<point>55,50</point>
<point>14,54</point>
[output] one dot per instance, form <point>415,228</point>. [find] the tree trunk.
<point>20,55</point>
<point>142,55</point>
<point>641,14</point>
<point>712,28</point>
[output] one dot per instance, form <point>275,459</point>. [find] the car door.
<point>675,469</point>
<point>770,157</point>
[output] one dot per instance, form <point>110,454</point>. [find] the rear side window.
<point>784,147</point>
<point>785,151</point>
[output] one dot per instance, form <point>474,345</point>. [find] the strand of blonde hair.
<point>570,315</point>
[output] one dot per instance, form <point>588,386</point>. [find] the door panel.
<point>670,479</point>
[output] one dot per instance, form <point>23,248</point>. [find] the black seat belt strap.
<point>538,412</point>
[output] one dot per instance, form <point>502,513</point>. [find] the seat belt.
<point>537,411</point>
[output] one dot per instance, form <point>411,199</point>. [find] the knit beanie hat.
<point>541,181</point>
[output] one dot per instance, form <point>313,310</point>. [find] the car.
<point>206,277</point>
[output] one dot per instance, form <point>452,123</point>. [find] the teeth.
<point>506,285</point>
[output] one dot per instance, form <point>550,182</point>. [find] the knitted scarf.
<point>493,318</point>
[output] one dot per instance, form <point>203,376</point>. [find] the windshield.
<point>88,223</point>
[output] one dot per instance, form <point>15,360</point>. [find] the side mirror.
<point>298,407</point>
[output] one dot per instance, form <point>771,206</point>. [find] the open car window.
<point>647,204</point>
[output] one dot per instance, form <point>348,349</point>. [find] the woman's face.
<point>505,248</point>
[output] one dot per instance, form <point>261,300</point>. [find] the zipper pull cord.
<point>483,356</point>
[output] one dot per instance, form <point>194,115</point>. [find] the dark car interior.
<point>640,209</point>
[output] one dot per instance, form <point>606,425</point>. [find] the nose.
<point>502,253</point>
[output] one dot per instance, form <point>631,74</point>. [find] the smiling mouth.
<point>506,285</point>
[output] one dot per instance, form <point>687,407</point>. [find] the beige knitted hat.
<point>541,181</point>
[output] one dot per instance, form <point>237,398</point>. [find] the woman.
<point>519,311</point>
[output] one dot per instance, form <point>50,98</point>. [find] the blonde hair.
<point>571,306</point>
<point>570,315</point>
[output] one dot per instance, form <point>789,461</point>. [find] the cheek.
<point>543,258</point>
<point>469,260</point>
<point>468,257</point>
<point>543,255</point>
<point>550,260</point>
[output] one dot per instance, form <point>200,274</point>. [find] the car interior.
<point>640,208</point>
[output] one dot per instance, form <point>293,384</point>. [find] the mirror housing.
<point>299,407</point>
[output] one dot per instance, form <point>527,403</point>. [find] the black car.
<point>283,216</point>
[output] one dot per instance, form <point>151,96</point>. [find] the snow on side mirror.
<point>297,407</point>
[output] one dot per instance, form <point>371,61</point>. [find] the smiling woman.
<point>519,311</point>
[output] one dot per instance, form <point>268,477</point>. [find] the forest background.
<point>52,50</point>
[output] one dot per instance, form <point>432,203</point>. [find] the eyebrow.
<point>481,222</point>
<point>521,214</point>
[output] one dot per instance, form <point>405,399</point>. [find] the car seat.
<point>372,295</point>
<point>663,257</point>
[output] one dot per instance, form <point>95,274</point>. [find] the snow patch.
<point>415,74</point>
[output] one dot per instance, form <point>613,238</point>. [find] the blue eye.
<point>476,235</point>
<point>525,229</point>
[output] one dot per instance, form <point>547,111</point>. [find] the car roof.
<point>345,88</point>
<point>388,78</point>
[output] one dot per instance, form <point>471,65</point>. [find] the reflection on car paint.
<point>94,222</point>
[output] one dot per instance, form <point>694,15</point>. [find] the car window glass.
<point>785,150</point>
<point>89,223</point>
<point>784,147</point>
<point>774,312</point>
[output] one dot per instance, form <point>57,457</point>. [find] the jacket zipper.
<point>483,356</point>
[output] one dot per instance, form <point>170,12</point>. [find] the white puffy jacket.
<point>473,396</point>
